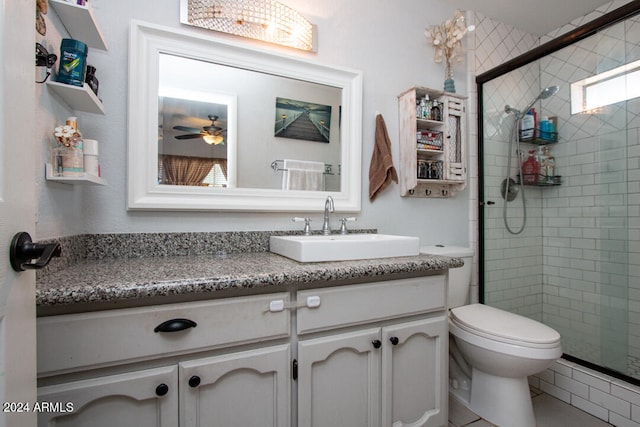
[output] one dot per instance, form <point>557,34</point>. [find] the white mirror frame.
<point>147,42</point>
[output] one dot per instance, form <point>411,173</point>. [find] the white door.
<point>18,154</point>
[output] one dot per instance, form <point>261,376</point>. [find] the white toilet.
<point>493,351</point>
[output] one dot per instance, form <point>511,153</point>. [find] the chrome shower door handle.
<point>27,255</point>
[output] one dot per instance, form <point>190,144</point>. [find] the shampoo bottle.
<point>527,126</point>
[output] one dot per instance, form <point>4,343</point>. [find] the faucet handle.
<point>307,225</point>
<point>343,224</point>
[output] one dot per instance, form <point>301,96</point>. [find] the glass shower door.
<point>575,265</point>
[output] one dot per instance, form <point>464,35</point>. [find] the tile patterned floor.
<point>550,412</point>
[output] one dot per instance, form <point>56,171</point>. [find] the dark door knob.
<point>194,381</point>
<point>376,343</point>
<point>394,340</point>
<point>162,389</point>
<point>26,255</point>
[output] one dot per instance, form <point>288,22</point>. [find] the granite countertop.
<point>117,280</point>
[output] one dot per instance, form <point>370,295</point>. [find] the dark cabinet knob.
<point>376,343</point>
<point>162,389</point>
<point>394,340</point>
<point>194,381</point>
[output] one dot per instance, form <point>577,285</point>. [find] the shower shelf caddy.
<point>449,168</point>
<point>541,181</point>
<point>541,138</point>
<point>545,138</point>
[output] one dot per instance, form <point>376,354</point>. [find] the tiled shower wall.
<point>590,286</point>
<point>582,239</point>
<point>517,289</point>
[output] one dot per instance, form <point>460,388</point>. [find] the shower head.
<point>546,93</point>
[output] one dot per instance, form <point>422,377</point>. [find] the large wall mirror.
<point>215,125</point>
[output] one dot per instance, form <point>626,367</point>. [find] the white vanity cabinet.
<point>370,355</point>
<point>101,364</point>
<point>381,359</point>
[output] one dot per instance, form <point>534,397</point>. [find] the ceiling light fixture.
<point>264,20</point>
<point>213,139</point>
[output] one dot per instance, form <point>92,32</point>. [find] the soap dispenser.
<point>530,169</point>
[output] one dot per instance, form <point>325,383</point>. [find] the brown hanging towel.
<point>381,170</point>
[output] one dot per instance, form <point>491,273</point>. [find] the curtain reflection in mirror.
<point>183,170</point>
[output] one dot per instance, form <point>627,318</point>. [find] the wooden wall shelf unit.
<point>445,159</point>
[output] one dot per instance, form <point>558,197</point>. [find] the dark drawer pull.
<point>175,325</point>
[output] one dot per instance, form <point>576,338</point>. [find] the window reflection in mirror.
<point>216,127</point>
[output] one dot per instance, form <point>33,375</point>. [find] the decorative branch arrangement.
<point>447,43</point>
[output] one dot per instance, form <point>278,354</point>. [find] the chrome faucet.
<point>328,207</point>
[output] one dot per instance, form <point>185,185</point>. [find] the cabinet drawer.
<point>357,304</point>
<point>69,342</point>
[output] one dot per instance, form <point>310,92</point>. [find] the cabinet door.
<point>455,148</point>
<point>147,398</point>
<point>339,380</point>
<point>250,388</point>
<point>414,373</point>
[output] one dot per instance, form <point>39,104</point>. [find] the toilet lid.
<point>504,326</point>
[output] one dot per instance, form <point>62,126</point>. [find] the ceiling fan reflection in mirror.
<point>211,134</point>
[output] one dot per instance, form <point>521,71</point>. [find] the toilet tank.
<point>459,278</point>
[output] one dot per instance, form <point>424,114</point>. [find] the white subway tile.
<point>555,391</point>
<point>610,402</point>
<point>574,387</point>
<point>619,421</point>
<point>590,380</point>
<point>589,407</point>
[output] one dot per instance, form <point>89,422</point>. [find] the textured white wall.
<point>383,40</point>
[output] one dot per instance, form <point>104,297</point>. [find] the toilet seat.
<point>502,326</point>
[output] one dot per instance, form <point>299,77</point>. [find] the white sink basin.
<point>339,247</point>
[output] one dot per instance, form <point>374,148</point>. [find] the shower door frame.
<point>593,27</point>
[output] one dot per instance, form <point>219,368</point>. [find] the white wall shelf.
<point>80,22</point>
<point>84,179</point>
<point>80,98</point>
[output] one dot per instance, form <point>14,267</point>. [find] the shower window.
<point>576,264</point>
<point>617,85</point>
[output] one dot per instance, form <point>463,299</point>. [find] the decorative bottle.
<point>68,155</point>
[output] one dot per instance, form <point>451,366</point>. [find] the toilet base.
<point>505,402</point>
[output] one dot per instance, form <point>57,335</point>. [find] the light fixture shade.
<point>213,139</point>
<point>264,20</point>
